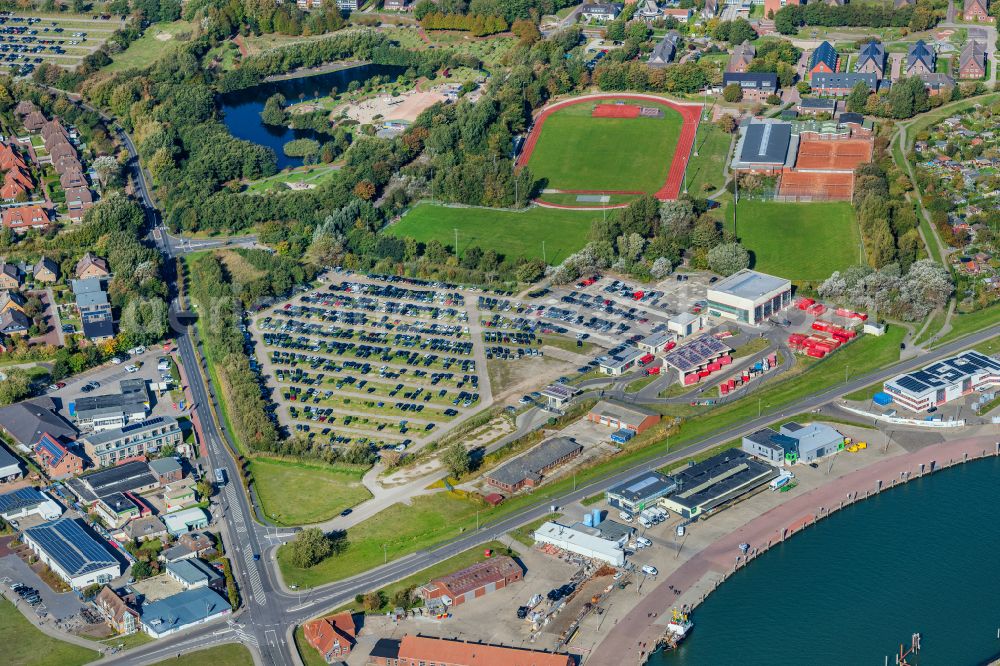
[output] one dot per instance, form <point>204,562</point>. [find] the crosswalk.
<point>235,512</point>
<point>245,638</point>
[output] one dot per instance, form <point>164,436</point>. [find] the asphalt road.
<point>271,612</point>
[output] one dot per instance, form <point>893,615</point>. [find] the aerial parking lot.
<point>28,40</point>
<point>364,360</point>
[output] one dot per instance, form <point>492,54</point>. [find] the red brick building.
<point>472,582</point>
<point>57,461</point>
<point>977,10</point>
<point>622,417</point>
<point>333,636</point>
<point>425,650</point>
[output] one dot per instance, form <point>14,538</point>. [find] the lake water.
<point>241,109</point>
<point>917,558</point>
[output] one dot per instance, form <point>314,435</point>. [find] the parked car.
<point>649,570</point>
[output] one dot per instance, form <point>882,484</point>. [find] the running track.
<point>691,113</point>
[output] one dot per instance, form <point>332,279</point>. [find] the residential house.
<point>62,149</point>
<point>920,59</point>
<point>742,56</point>
<point>972,61</point>
<point>79,198</point>
<point>333,636</point>
<point>72,178</point>
<point>935,82</point>
<point>648,11</point>
<point>122,617</point>
<point>11,300</point>
<point>194,573</point>
<point>871,59</point>
<point>201,544</point>
<point>53,131</point>
<point>841,83</point>
<point>66,162</point>
<point>117,509</point>
<point>91,266</point>
<point>94,307</point>
<point>756,86</point>
<point>977,11</point>
<point>10,158</point>
<point>347,5</point>
<point>17,183</point>
<point>664,51</point>
<point>823,60</point>
<point>56,459</point>
<point>24,107</point>
<point>34,121</point>
<point>145,528</point>
<point>27,421</point>
<point>45,270</point>
<point>10,276</point>
<point>814,105</point>
<point>604,11</point>
<point>14,322</point>
<point>22,218</point>
<point>679,14</point>
<point>397,5</point>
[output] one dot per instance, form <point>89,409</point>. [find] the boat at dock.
<point>679,626</point>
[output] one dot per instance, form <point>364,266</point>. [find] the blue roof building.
<point>180,611</point>
<point>76,555</point>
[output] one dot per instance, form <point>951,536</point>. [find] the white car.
<point>116,360</point>
<point>643,542</point>
<point>131,367</point>
<point>618,575</point>
<point>135,351</point>
<point>649,570</point>
<point>626,516</point>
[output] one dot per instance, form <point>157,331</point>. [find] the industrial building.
<point>528,470</point>
<point>606,545</point>
<point>424,650</point>
<point>558,396</point>
<point>622,417</point>
<point>656,343</point>
<point>793,443</point>
<point>944,381</point>
<point>180,611</point>
<point>765,147</point>
<point>194,573</point>
<point>641,492</point>
<point>711,483</point>
<point>749,297</point>
<point>685,324</point>
<point>111,446</point>
<point>73,553</point>
<point>621,363</point>
<point>698,358</point>
<point>481,578</point>
<point>25,502</point>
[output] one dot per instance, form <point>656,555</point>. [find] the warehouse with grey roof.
<point>528,470</point>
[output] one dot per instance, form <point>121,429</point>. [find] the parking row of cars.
<point>401,309</point>
<point>392,292</point>
<point>405,340</point>
<point>29,594</point>
<point>362,320</point>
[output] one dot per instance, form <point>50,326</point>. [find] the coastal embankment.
<point>631,640</point>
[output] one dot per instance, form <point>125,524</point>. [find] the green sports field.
<point>578,152</point>
<point>798,241</point>
<point>511,234</point>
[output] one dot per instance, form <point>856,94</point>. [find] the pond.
<point>241,109</point>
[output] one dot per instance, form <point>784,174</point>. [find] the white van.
<point>649,570</point>
<point>645,523</point>
<point>626,516</point>
<point>643,542</point>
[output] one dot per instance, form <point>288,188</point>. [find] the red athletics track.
<point>691,113</point>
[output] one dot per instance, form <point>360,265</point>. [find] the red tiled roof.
<point>334,634</point>
<point>24,216</point>
<point>478,575</point>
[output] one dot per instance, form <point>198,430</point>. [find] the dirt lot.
<point>404,108</point>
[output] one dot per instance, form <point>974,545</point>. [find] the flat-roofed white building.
<point>944,381</point>
<point>588,543</point>
<point>749,297</point>
<point>621,363</point>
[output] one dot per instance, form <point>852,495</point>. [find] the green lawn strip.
<point>641,383</point>
<point>991,346</point>
<point>867,393</point>
<point>706,167</point>
<point>798,241</point>
<point>752,347</point>
<point>400,529</point>
<point>937,321</point>
<point>964,324</point>
<point>526,533</point>
<point>128,642</point>
<point>147,49</point>
<point>573,148</point>
<point>568,344</point>
<point>511,234</point>
<point>295,493</point>
<point>214,376</point>
<point>28,646</point>
<point>593,499</point>
<point>230,654</point>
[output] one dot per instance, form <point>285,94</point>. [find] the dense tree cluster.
<point>910,295</point>
<point>790,18</point>
<point>887,220</point>
<point>478,25</point>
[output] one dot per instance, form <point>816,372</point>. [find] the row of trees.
<point>477,24</point>
<point>790,18</point>
<point>887,220</point>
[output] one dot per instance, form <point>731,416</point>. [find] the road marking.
<point>272,637</point>
<point>253,573</point>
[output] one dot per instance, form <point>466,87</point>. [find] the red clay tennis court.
<point>816,185</point>
<point>837,155</point>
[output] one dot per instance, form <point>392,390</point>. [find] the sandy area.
<point>406,107</point>
<point>164,37</point>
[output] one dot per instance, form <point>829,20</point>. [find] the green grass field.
<point>707,167</point>
<point>401,529</point>
<point>578,152</point>
<point>27,646</point>
<point>143,52</point>
<point>229,654</point>
<point>510,233</point>
<point>294,493</point>
<point>798,241</point>
<point>964,324</point>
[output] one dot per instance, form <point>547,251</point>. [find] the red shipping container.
<point>804,303</point>
<point>773,360</point>
<point>724,389</point>
<point>816,353</point>
<point>703,373</point>
<point>821,325</point>
<point>732,383</point>
<point>861,315</point>
<point>712,367</point>
<point>796,338</point>
<point>746,378</point>
<point>690,379</point>
<point>726,360</point>
<point>844,312</point>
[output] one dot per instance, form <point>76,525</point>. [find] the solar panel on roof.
<point>911,384</point>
